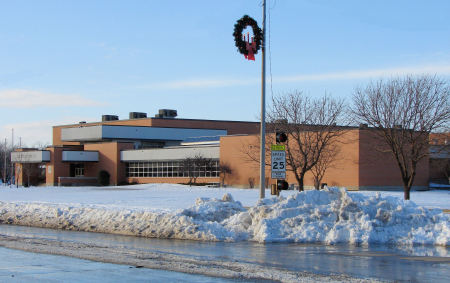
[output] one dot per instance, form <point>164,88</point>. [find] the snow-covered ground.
<point>201,213</point>
<point>171,196</point>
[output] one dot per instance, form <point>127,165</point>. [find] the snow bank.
<point>328,216</point>
<point>334,216</point>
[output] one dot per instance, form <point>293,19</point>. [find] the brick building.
<point>152,150</point>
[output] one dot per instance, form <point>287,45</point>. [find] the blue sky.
<point>67,61</point>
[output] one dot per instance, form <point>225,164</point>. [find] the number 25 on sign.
<point>278,158</point>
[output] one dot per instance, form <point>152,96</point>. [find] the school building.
<point>144,149</point>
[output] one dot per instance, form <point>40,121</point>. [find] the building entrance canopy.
<point>34,156</point>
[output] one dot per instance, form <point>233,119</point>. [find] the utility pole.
<point>262,169</point>
<point>11,173</point>
<point>4,167</point>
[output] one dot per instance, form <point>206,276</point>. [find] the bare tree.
<point>194,166</point>
<point>311,127</point>
<point>225,170</point>
<point>5,162</point>
<point>30,171</point>
<point>251,182</point>
<point>404,112</point>
<point>326,161</point>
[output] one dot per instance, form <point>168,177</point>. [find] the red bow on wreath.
<point>251,48</point>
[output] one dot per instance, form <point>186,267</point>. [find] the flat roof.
<point>155,118</point>
<point>105,132</point>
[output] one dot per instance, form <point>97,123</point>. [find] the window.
<point>171,169</point>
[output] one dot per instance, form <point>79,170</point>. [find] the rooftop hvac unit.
<point>166,113</point>
<point>137,115</point>
<point>110,118</point>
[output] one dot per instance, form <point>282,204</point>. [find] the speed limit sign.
<point>278,162</point>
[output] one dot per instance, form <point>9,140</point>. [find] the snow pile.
<point>206,209</point>
<point>335,216</point>
<point>328,216</point>
<point>200,222</point>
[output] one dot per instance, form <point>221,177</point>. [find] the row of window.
<point>172,169</point>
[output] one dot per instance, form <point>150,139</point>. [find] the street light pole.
<point>4,166</point>
<point>262,169</point>
<point>11,173</point>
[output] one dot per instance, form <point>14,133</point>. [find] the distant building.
<point>152,150</point>
<point>440,158</point>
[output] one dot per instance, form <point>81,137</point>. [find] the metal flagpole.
<point>262,169</point>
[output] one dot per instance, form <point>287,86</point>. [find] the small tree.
<point>225,170</point>
<point>404,112</point>
<point>194,166</point>
<point>251,182</point>
<point>5,162</point>
<point>327,160</point>
<point>30,170</point>
<point>3,154</point>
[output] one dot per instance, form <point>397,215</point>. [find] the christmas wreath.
<point>241,24</point>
